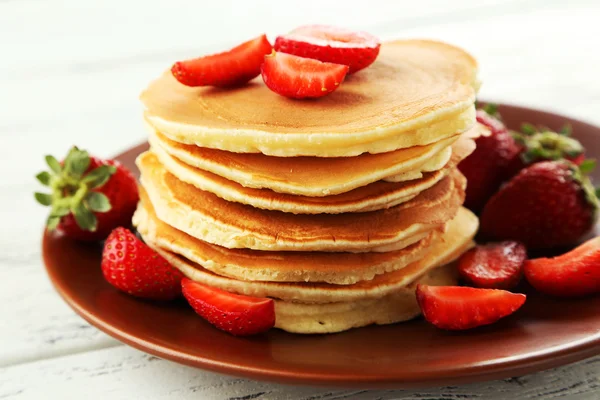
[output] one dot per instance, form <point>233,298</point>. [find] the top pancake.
<point>417,92</point>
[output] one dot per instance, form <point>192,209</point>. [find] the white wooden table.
<point>70,73</point>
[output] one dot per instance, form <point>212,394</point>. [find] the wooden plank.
<point>34,321</point>
<point>124,373</point>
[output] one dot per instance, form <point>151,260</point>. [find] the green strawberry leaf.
<point>587,166</point>
<point>491,109</point>
<point>566,130</point>
<point>84,217</point>
<point>97,202</point>
<point>43,198</point>
<point>528,129</point>
<point>53,164</point>
<point>60,211</point>
<point>99,176</point>
<point>78,162</point>
<point>44,178</point>
<point>52,222</point>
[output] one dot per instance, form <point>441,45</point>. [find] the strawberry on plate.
<point>548,204</point>
<point>493,265</point>
<point>459,308</point>
<point>573,274</point>
<point>134,268</point>
<point>230,312</point>
<point>231,68</point>
<point>325,43</point>
<point>485,168</point>
<point>299,78</point>
<point>89,196</point>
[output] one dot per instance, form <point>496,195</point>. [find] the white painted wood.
<point>124,373</point>
<point>70,73</point>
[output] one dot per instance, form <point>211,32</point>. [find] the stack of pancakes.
<point>335,208</point>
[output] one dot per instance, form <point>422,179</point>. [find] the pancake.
<point>435,163</point>
<point>303,176</point>
<point>449,246</point>
<point>417,92</point>
<point>375,196</point>
<point>460,150</point>
<point>275,266</point>
<point>207,217</point>
<point>337,317</point>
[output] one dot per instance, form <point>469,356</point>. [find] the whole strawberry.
<point>134,268</point>
<point>543,144</point>
<point>548,204</point>
<point>89,196</point>
<point>485,167</point>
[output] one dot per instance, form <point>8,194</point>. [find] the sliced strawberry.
<point>494,265</point>
<point>230,312</point>
<point>357,50</point>
<point>131,266</point>
<point>299,78</point>
<point>573,274</point>
<point>231,68</point>
<point>458,308</point>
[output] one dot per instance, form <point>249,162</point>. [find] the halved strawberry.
<point>230,312</point>
<point>231,68</point>
<point>325,43</point>
<point>493,265</point>
<point>458,308</point>
<point>573,274</point>
<point>299,78</point>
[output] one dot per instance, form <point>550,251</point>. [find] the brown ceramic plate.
<point>545,333</point>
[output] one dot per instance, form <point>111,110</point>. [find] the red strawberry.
<point>231,68</point>
<point>230,312</point>
<point>357,50</point>
<point>131,266</point>
<point>458,308</point>
<point>548,204</point>
<point>494,265</point>
<point>485,167</point>
<point>90,197</point>
<point>299,78</point>
<point>544,145</point>
<point>576,273</point>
